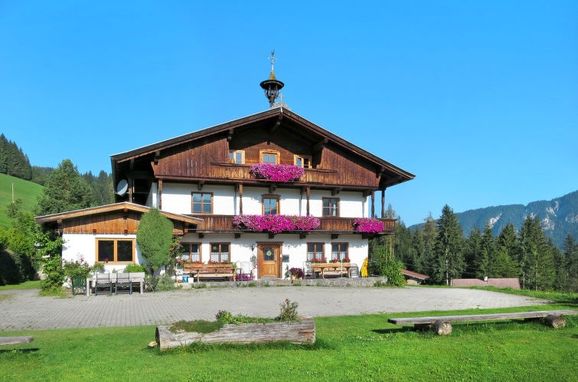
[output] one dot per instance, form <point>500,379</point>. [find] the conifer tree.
<point>65,190</point>
<point>571,263</point>
<point>537,259</point>
<point>430,233</point>
<point>472,251</point>
<point>449,257</point>
<point>485,259</point>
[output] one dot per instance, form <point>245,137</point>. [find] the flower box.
<point>282,173</point>
<point>276,223</point>
<point>368,225</point>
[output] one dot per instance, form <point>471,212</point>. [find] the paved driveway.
<point>25,309</point>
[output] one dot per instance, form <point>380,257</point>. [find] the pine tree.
<point>65,190</point>
<point>430,233</point>
<point>571,260</point>
<point>473,249</point>
<point>449,257</point>
<point>486,258</point>
<point>537,259</point>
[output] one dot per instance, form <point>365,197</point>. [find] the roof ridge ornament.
<point>272,86</point>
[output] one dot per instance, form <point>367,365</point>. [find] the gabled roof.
<point>278,112</point>
<point>122,206</point>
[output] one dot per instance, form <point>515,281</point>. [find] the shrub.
<point>159,283</point>
<point>155,237</point>
<point>73,269</point>
<point>385,264</point>
<point>288,311</point>
<point>134,268</point>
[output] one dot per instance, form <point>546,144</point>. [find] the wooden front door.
<point>269,260</point>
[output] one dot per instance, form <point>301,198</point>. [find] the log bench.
<point>15,340</point>
<point>442,325</point>
<point>210,271</point>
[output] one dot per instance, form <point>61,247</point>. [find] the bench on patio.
<point>112,281</point>
<point>331,269</point>
<point>210,271</point>
<point>442,324</point>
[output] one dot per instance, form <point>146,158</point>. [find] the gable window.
<point>268,156</point>
<point>115,250</point>
<point>202,202</point>
<point>220,253</point>
<point>191,252</point>
<point>315,252</point>
<point>339,251</point>
<point>270,204</point>
<point>303,161</point>
<point>237,156</point>
<point>331,207</point>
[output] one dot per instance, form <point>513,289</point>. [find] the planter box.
<point>297,332</point>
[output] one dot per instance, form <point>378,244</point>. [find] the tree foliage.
<point>65,190</point>
<point>13,161</point>
<point>384,262</point>
<point>155,239</point>
<point>449,258</point>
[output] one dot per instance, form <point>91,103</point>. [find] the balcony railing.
<point>336,225</point>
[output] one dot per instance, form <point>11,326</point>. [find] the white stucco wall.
<point>176,197</point>
<point>83,246</point>
<point>293,246</point>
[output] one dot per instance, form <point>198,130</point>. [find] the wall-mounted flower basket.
<point>368,225</point>
<point>282,173</point>
<point>276,223</point>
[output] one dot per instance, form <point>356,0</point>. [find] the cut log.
<point>442,328</point>
<point>298,332</point>
<point>15,340</point>
<point>556,322</point>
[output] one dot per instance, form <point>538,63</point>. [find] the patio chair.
<point>308,271</point>
<point>137,278</point>
<point>78,285</point>
<point>244,271</point>
<point>102,280</point>
<point>123,282</point>
<point>354,271</point>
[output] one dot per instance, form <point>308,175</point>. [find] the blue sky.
<point>478,99</point>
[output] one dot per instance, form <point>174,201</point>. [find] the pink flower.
<point>368,225</point>
<point>277,172</point>
<point>275,223</point>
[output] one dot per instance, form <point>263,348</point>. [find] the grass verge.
<point>35,284</point>
<point>361,348</point>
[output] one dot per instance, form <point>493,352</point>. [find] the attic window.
<point>271,157</point>
<point>237,156</point>
<point>303,161</point>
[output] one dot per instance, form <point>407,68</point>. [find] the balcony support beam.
<point>383,203</point>
<point>160,195</point>
<point>308,195</point>
<point>372,204</point>
<point>240,189</point>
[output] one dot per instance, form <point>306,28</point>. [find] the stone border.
<point>362,282</point>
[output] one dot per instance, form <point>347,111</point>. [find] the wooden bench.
<point>442,324</point>
<point>15,340</point>
<point>331,269</point>
<point>211,271</point>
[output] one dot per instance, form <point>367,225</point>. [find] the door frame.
<point>260,245</point>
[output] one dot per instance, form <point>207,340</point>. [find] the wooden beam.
<point>131,165</point>
<point>160,193</point>
<point>15,340</point>
<point>230,135</point>
<point>130,189</point>
<point>157,156</point>
<point>276,125</point>
<point>372,204</point>
<point>308,195</point>
<point>383,203</point>
<point>319,145</point>
<point>240,186</point>
<point>200,185</point>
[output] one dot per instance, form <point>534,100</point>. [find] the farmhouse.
<point>272,190</point>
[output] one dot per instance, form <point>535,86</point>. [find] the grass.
<point>361,348</point>
<point>569,298</point>
<point>25,285</point>
<point>24,190</point>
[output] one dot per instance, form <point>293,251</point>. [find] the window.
<point>339,251</point>
<point>191,252</point>
<point>220,253</point>
<point>237,156</point>
<point>331,207</point>
<point>270,205</point>
<point>315,252</point>
<point>115,251</point>
<point>270,157</point>
<point>302,161</point>
<point>202,202</point>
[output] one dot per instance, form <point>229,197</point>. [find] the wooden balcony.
<point>333,225</point>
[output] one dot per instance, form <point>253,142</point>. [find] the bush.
<point>134,268</point>
<point>74,269</point>
<point>385,264</point>
<point>155,238</point>
<point>159,283</point>
<point>288,311</point>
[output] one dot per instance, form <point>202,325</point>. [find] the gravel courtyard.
<point>24,309</point>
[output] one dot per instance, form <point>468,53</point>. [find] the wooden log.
<point>556,322</point>
<point>15,340</point>
<point>297,332</point>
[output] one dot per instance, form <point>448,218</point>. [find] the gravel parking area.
<point>24,309</point>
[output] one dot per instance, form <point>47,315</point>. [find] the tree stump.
<point>556,322</point>
<point>442,328</point>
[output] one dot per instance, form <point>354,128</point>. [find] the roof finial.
<point>272,86</point>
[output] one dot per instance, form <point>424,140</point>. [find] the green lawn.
<point>555,296</point>
<point>25,190</point>
<point>25,285</point>
<point>351,348</point>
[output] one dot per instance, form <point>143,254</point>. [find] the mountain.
<point>559,217</point>
<point>24,190</point>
